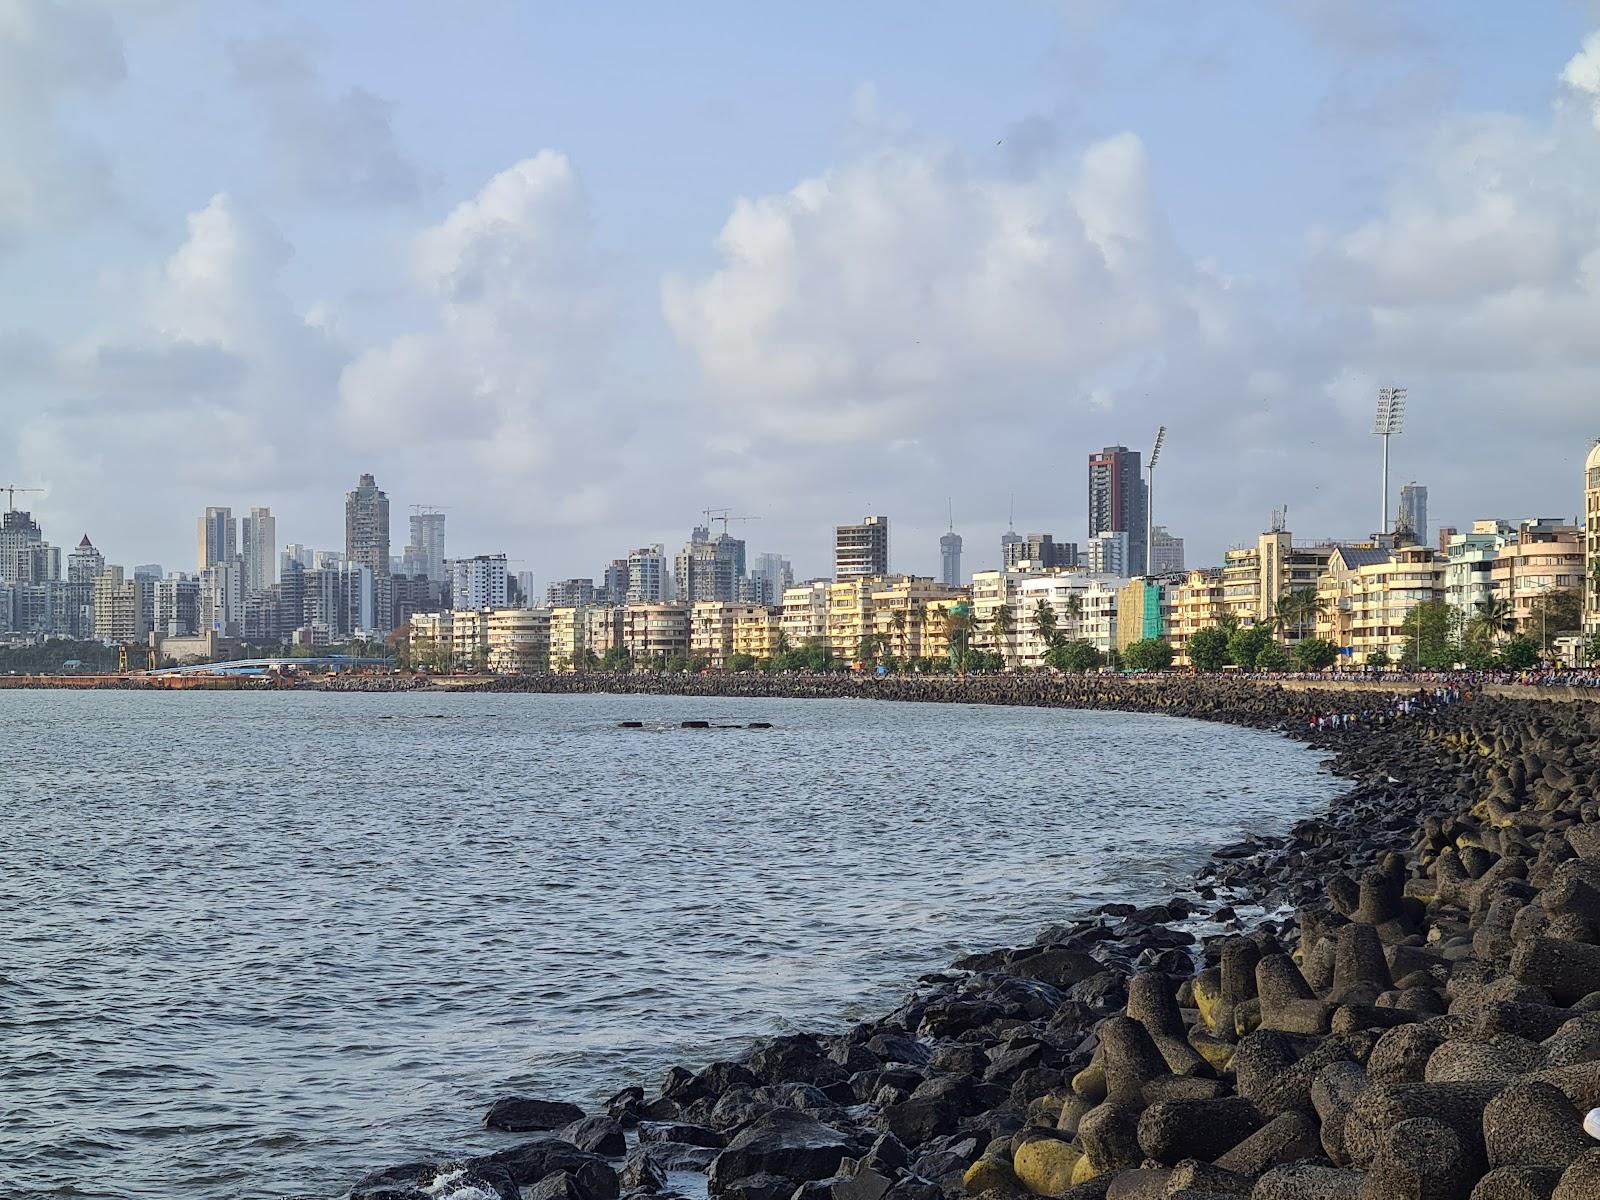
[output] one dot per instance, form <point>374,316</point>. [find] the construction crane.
<point>11,490</point>
<point>721,514</point>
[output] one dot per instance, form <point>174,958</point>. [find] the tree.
<point>1044,620</point>
<point>1076,656</point>
<point>897,621</point>
<point>1149,654</point>
<point>1272,657</point>
<point>740,663</point>
<point>1002,626</point>
<point>1491,618</point>
<point>1208,649</point>
<point>1246,644</point>
<point>1315,654</point>
<point>958,625</point>
<point>1297,610</point>
<point>1432,633</point>
<point>1556,612</point>
<point>1519,653</point>
<point>617,658</point>
<point>1378,658</point>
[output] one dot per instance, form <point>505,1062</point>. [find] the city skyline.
<point>573,313</point>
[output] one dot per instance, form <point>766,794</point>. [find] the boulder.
<point>525,1114</point>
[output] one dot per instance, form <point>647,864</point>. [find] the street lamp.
<point>1391,417</point>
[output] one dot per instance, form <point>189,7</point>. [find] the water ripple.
<point>259,944</point>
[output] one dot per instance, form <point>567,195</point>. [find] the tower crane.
<point>11,490</point>
<point>721,514</point>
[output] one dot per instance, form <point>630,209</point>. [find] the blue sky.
<point>579,271</point>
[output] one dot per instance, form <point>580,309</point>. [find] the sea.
<point>258,944</point>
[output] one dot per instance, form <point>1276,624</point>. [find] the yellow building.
<point>1383,594</point>
<point>652,632</point>
<point>568,643</point>
<point>899,613</point>
<point>1548,555</point>
<point>850,615</point>
<point>517,640</point>
<point>1198,603</point>
<point>805,613</point>
<point>755,630</point>
<point>1255,578</point>
<point>429,640</point>
<point>1145,610</point>
<point>711,627</point>
<point>1591,517</point>
<point>469,638</point>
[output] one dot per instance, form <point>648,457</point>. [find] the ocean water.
<point>256,945</point>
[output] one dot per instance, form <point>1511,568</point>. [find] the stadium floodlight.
<point>1390,421</point>
<point>1150,504</point>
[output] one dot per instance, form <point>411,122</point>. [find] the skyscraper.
<point>366,541</point>
<point>85,563</point>
<point>1166,552</point>
<point>647,575</point>
<point>478,582</point>
<point>219,538</point>
<point>1010,537</point>
<point>424,554</point>
<point>708,569</point>
<point>778,574</point>
<point>950,559</point>
<point>258,534</point>
<point>861,551</point>
<point>1117,499</point>
<point>1413,515</point>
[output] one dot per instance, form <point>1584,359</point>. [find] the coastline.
<point>1427,1023</point>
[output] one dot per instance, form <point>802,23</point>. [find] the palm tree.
<point>1003,626</point>
<point>1044,620</point>
<point>1297,609</point>
<point>958,627</point>
<point>1491,618</point>
<point>897,620</point>
<point>1075,609</point>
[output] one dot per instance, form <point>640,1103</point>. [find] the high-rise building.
<point>1411,525</point>
<point>120,614</point>
<point>478,582</point>
<point>1166,552</point>
<point>85,563</point>
<point>222,599</point>
<point>1039,550</point>
<point>258,535</point>
<point>424,553</point>
<point>861,551</point>
<point>616,581</point>
<point>1117,501</point>
<point>218,540</point>
<point>177,607</point>
<point>24,554</point>
<point>1108,553</point>
<point>150,571</point>
<point>570,593</point>
<point>366,541</point>
<point>950,558</point>
<point>708,569</point>
<point>354,605</point>
<point>647,575</point>
<point>775,573</point>
<point>1591,541</point>
<point>1446,534</point>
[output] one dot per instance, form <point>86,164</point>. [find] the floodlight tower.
<point>1391,418</point>
<point>1150,504</point>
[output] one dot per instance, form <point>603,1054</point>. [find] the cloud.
<point>1582,72</point>
<point>506,375</point>
<point>50,180</point>
<point>902,284</point>
<point>331,149</point>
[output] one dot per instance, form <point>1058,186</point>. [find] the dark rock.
<point>523,1114</point>
<point>785,1144</point>
<point>598,1135</point>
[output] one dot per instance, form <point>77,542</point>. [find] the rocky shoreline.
<point>1421,1022</point>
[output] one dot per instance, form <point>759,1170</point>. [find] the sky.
<point>577,272</point>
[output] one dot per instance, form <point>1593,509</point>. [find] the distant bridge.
<point>264,666</point>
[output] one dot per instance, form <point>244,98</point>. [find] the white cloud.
<point>904,283</point>
<point>1582,72</point>
<point>506,374</point>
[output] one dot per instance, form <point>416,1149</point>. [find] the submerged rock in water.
<point>523,1114</point>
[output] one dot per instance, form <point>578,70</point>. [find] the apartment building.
<point>517,640</point>
<point>1198,603</point>
<point>711,631</point>
<point>805,613</point>
<point>655,631</point>
<point>1547,555</point>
